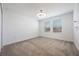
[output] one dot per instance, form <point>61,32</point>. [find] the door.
<point>76,25</point>
<point>0,27</point>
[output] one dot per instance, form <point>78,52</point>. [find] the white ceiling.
<point>31,9</point>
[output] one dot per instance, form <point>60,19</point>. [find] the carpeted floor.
<point>41,47</point>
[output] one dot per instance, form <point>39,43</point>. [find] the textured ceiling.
<point>31,9</point>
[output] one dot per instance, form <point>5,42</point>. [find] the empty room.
<point>39,29</point>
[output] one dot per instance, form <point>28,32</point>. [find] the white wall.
<point>18,27</point>
<point>20,21</point>
<point>66,33</point>
<point>76,25</point>
<point>0,27</point>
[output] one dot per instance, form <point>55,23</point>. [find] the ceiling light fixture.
<point>41,14</point>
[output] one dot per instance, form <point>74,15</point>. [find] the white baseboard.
<point>76,45</point>
<point>27,38</point>
<point>57,39</point>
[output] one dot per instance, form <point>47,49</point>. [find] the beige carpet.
<point>41,47</point>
